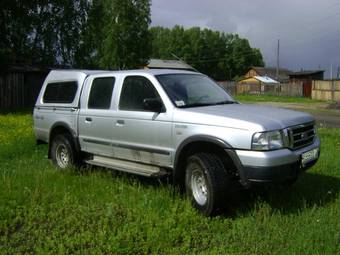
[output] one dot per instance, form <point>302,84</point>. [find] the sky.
<point>308,30</point>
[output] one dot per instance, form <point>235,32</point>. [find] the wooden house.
<point>269,72</point>
<point>306,77</point>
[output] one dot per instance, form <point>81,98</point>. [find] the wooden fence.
<point>282,89</point>
<point>19,89</point>
<point>328,90</point>
<point>229,86</point>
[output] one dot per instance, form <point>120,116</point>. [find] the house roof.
<point>306,72</point>
<point>168,64</point>
<point>259,79</point>
<point>284,74</point>
<point>265,79</point>
<point>271,72</point>
<point>25,68</point>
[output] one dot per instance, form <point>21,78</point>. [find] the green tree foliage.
<point>116,35</point>
<point>92,36</point>
<point>126,34</point>
<point>220,55</point>
<point>44,32</point>
<point>14,24</point>
<point>112,34</point>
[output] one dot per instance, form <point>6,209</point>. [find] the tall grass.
<point>46,211</point>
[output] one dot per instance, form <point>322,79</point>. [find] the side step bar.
<point>127,166</point>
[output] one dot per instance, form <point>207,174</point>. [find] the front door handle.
<point>88,119</point>
<point>120,123</point>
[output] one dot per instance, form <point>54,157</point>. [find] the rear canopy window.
<point>60,92</point>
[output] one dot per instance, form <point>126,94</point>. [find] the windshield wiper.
<point>207,104</point>
<point>224,102</point>
<point>195,105</point>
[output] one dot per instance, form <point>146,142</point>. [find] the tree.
<point>115,35</point>
<point>126,34</point>
<point>220,55</point>
<point>92,36</point>
<point>57,25</point>
<point>242,56</point>
<point>112,34</point>
<point>15,22</point>
<point>44,32</point>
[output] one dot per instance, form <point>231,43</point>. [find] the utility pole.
<point>338,73</point>
<point>331,71</point>
<point>278,59</point>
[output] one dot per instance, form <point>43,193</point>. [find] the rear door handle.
<point>88,119</point>
<point>120,123</point>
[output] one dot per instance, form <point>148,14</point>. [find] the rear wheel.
<point>206,182</point>
<point>63,153</point>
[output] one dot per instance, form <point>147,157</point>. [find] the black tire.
<point>63,154</point>
<point>209,197</point>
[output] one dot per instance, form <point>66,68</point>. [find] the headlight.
<point>272,140</point>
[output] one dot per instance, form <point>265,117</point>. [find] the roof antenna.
<point>178,58</point>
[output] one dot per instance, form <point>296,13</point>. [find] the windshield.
<point>193,90</point>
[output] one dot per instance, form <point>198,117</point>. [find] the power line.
<point>298,42</point>
<point>178,58</point>
<point>190,61</point>
<point>323,19</point>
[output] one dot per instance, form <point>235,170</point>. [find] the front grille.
<point>302,135</point>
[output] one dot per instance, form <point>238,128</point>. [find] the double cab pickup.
<point>171,122</point>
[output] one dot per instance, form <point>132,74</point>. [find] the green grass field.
<point>45,211</point>
<point>270,98</point>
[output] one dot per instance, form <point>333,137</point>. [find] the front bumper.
<point>274,166</point>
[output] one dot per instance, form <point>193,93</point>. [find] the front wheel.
<point>206,182</point>
<point>62,151</point>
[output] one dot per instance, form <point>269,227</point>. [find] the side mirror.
<point>153,105</point>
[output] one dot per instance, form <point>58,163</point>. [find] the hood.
<point>242,116</point>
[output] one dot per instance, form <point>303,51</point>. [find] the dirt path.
<point>324,117</point>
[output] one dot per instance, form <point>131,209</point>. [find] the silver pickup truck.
<point>171,122</point>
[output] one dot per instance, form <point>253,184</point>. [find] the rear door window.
<point>60,92</point>
<point>101,93</point>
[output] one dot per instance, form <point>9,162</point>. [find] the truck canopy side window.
<point>101,93</point>
<point>60,92</point>
<point>135,90</point>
